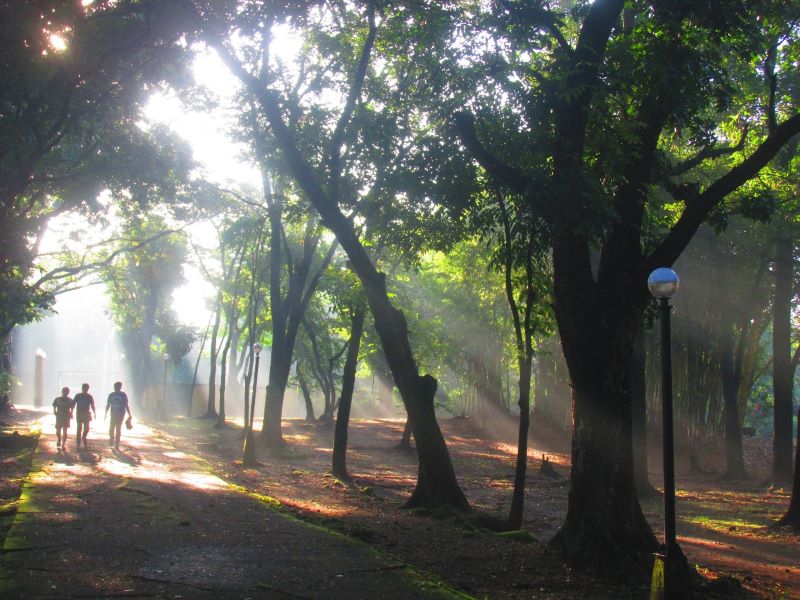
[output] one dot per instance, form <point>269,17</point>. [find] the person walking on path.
<point>62,409</point>
<point>84,409</point>
<point>117,403</point>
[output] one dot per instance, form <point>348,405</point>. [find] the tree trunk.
<point>792,516</point>
<point>301,380</point>
<point>782,371</point>
<point>223,376</point>
<point>196,367</point>
<point>436,483</point>
<point>405,439</point>
<point>339,468</point>
<point>518,496</point>
<point>211,410</point>
<point>285,327</point>
<point>734,454</point>
<point>605,528</point>
<point>279,366</point>
<point>638,389</point>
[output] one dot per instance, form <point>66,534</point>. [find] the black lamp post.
<point>663,284</point>
<point>249,452</point>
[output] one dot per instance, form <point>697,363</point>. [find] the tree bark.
<point>211,409</point>
<point>792,516</point>
<point>521,467</point>
<point>339,468</point>
<point>604,528</point>
<point>301,380</point>
<point>405,438</point>
<point>638,389</point>
<point>734,454</point>
<point>223,376</point>
<point>782,370</point>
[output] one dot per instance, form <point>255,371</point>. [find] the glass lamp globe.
<point>663,282</point>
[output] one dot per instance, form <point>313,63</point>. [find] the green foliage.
<point>74,80</point>
<point>140,285</point>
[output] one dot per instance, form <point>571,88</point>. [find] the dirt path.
<point>151,521</point>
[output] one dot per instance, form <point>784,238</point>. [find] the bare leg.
<point>85,432</point>
<point>78,436</point>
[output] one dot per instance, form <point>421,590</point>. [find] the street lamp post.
<point>163,412</point>
<point>672,580</point>
<point>249,451</point>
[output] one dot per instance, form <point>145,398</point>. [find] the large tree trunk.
<point>792,516</point>
<point>734,454</point>
<point>339,468</point>
<point>605,528</point>
<point>782,370</point>
<point>279,366</point>
<point>638,389</point>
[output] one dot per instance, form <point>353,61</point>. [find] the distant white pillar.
<point>38,378</point>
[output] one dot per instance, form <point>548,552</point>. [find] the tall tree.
<point>140,286</point>
<point>339,455</point>
<point>330,160</point>
<point>601,106</point>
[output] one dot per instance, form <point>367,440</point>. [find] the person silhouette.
<point>84,407</point>
<point>117,403</point>
<point>62,409</point>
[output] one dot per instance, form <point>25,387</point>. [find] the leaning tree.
<point>347,158</point>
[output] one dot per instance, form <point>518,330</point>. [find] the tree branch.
<point>337,139</point>
<point>698,210</point>
<point>502,173</point>
<point>708,152</point>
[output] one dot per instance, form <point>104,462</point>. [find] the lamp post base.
<point>670,580</point>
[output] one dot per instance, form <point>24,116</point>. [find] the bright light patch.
<point>57,42</point>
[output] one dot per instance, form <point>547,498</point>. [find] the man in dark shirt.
<point>84,408</point>
<point>117,403</point>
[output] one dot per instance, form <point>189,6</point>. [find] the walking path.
<point>149,521</point>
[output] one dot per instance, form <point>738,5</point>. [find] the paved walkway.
<point>149,521</point>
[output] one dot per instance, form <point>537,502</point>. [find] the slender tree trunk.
<point>518,497</point>
<point>339,468</point>
<point>782,370</point>
<point>211,410</point>
<point>196,367</point>
<point>301,380</point>
<point>223,376</point>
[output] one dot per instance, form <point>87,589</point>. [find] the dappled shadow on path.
<point>152,521</point>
